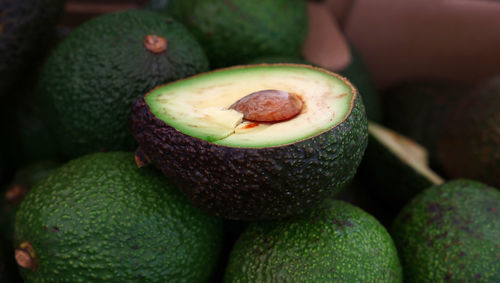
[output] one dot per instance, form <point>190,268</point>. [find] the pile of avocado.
<point>189,141</point>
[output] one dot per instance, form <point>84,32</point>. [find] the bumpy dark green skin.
<point>469,143</point>
<point>254,183</point>
<point>394,179</point>
<point>450,233</point>
<point>95,74</point>
<point>334,242</point>
<point>418,110</point>
<point>25,26</point>
<point>26,177</point>
<point>99,218</point>
<point>236,31</point>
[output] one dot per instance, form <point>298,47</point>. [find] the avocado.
<point>333,242</point>
<point>397,166</point>
<point>241,165</point>
<point>94,75</point>
<point>99,218</point>
<point>237,31</point>
<point>469,142</point>
<point>418,110</point>
<point>13,195</point>
<point>25,27</point>
<point>450,232</point>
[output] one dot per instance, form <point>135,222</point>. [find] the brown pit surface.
<point>155,44</point>
<point>25,256</point>
<point>268,106</point>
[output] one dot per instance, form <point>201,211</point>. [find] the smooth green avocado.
<point>450,233</point>
<point>92,78</point>
<point>99,218</point>
<point>234,32</point>
<point>254,142</point>
<point>333,242</point>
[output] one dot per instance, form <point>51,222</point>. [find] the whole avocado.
<point>450,232</point>
<point>91,79</point>
<point>237,31</point>
<point>25,26</point>
<point>333,242</point>
<point>99,218</point>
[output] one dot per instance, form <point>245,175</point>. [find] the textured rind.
<point>449,233</point>
<point>25,177</point>
<point>101,219</point>
<point>334,242</point>
<point>254,183</point>
<point>25,26</point>
<point>236,31</point>
<point>91,80</point>
<point>469,142</point>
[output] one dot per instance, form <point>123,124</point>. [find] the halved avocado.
<point>199,131</point>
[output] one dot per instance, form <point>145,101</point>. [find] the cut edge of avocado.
<point>406,149</point>
<point>226,127</point>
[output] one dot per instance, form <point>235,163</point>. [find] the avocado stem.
<point>25,256</point>
<point>15,194</point>
<point>155,43</point>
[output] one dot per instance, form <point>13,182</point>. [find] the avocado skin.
<point>25,27</point>
<point>333,242</point>
<point>90,81</point>
<point>418,110</point>
<point>236,31</point>
<point>254,183</point>
<point>26,177</point>
<point>99,218</point>
<point>469,142</point>
<point>450,232</point>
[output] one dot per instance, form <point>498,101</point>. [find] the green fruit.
<point>234,32</point>
<point>25,26</point>
<point>99,218</point>
<point>92,78</point>
<point>469,142</point>
<point>334,242</point>
<point>450,232</point>
<point>396,165</point>
<point>23,181</point>
<point>245,168</point>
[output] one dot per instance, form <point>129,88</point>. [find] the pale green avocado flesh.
<point>200,106</point>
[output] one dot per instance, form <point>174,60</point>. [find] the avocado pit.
<point>268,106</point>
